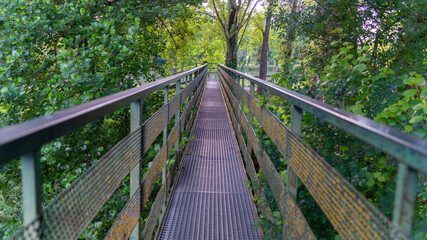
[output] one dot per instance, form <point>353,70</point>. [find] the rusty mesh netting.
<point>351,214</point>
<point>73,210</point>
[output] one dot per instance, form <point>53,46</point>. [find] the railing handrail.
<point>406,148</point>
<point>27,136</point>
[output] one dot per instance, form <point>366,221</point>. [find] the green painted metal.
<point>26,137</point>
<point>165,141</point>
<point>410,151</point>
<point>404,198</point>
<point>135,174</point>
<point>240,82</point>
<point>186,99</point>
<point>192,77</point>
<point>165,102</point>
<point>352,215</point>
<point>130,214</point>
<point>177,92</point>
<point>251,118</point>
<point>30,135</point>
<point>296,121</point>
<point>31,187</point>
<point>408,146</point>
<point>272,176</point>
<point>404,147</point>
<point>292,178</point>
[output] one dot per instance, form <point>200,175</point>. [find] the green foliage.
<point>56,55</point>
<point>367,57</point>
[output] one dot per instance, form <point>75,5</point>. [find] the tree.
<point>58,54</point>
<point>367,57</point>
<point>238,16</point>
<point>201,42</point>
<point>265,44</point>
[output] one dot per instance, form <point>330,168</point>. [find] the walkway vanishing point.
<point>203,193</point>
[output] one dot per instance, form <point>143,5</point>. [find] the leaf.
<point>409,81</point>
<point>350,56</point>
<point>410,92</point>
<point>392,123</point>
<point>382,178</point>
<point>337,30</point>
<point>370,182</point>
<point>334,42</point>
<point>365,59</point>
<point>416,119</point>
<point>419,81</point>
<point>419,106</point>
<point>89,96</point>
<point>408,128</point>
<point>390,72</point>
<point>377,174</point>
<point>360,68</point>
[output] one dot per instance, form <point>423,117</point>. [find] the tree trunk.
<point>233,25</point>
<point>231,58</point>
<point>263,66</point>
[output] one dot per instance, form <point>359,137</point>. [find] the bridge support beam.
<point>31,188</point>
<point>135,175</point>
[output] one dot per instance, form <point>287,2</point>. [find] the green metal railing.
<point>212,68</point>
<point>70,213</point>
<point>351,214</point>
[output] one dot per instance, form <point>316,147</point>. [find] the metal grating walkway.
<point>210,199</point>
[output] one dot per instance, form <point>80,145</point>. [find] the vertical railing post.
<point>165,141</point>
<point>240,82</point>
<point>292,179</point>
<point>165,130</point>
<point>192,77</point>
<point>252,92</point>
<point>178,91</point>
<point>186,84</point>
<point>296,121</point>
<point>135,174</point>
<point>404,198</point>
<point>251,119</point>
<point>31,188</point>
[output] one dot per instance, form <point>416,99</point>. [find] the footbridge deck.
<point>210,200</point>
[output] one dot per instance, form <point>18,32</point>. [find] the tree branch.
<point>220,20</point>
<point>250,14</point>
<point>167,29</point>
<point>246,25</point>
<point>240,41</point>
<point>207,14</point>
<point>223,25</point>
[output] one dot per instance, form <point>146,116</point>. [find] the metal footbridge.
<point>205,188</point>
